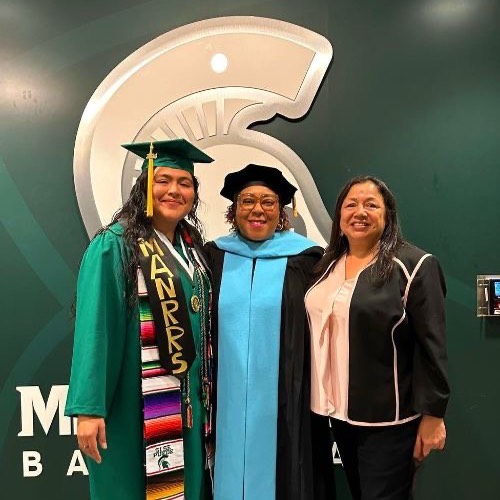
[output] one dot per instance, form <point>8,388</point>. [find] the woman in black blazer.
<point>376,311</point>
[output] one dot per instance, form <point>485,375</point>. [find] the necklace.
<point>199,302</point>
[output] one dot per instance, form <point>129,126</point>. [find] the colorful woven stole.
<point>162,413</point>
<point>163,394</point>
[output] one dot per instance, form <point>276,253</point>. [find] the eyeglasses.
<point>247,202</point>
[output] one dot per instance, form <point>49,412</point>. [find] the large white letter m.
<point>32,402</point>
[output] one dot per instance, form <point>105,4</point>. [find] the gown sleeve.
<point>426,311</point>
<point>100,329</point>
<point>304,465</point>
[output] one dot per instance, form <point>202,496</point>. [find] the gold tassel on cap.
<point>294,207</point>
<point>149,197</point>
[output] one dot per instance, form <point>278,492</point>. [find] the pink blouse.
<point>327,306</point>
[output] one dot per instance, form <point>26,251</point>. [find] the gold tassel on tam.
<point>294,207</point>
<point>149,198</point>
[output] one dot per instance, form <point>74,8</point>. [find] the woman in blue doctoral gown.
<point>265,436</point>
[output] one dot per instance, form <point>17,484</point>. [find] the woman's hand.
<point>90,431</point>
<point>431,435</point>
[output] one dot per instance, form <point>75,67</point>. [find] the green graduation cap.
<point>175,153</point>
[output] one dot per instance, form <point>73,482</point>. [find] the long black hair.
<point>389,243</point>
<point>132,216</point>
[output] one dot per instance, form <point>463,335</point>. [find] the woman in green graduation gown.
<point>266,442</point>
<point>140,380</point>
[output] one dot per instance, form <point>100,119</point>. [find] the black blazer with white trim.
<point>397,342</point>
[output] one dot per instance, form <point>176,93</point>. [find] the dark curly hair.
<point>390,241</point>
<point>132,216</point>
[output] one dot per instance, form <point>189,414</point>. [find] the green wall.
<point>413,96</point>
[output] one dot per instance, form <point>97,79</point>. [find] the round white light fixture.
<point>219,63</point>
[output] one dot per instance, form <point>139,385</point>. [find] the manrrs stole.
<point>169,307</point>
<point>167,352</point>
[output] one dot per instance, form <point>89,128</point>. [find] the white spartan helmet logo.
<point>206,82</point>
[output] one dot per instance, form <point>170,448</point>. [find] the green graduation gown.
<point>106,375</point>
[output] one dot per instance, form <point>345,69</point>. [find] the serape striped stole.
<point>164,448</point>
